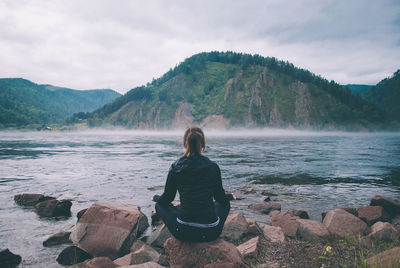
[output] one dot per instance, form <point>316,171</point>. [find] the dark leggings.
<point>169,213</point>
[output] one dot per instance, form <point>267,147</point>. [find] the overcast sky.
<point>123,44</point>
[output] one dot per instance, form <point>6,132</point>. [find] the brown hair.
<point>194,141</point>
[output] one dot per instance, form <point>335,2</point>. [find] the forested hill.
<point>386,95</point>
<point>225,89</point>
<point>23,103</point>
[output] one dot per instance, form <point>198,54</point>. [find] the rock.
<point>339,222</point>
<point>311,230</point>
<point>9,259</point>
<point>109,229</point>
<point>72,255</point>
<point>235,227</point>
<point>388,258</point>
<point>144,265</point>
<point>155,219</point>
<point>250,248</point>
<point>254,229</point>
<point>352,211</point>
<point>218,253</point>
<point>365,241</point>
<point>140,253</point>
<point>384,231</point>
<point>54,208</point>
<point>155,188</point>
<point>268,193</point>
<point>286,221</point>
<point>265,208</point>
<point>163,260</point>
<point>30,199</point>
<point>302,214</point>
<point>274,234</point>
<point>159,236</point>
<point>266,198</point>
<point>391,206</point>
<point>372,214</point>
<point>59,238</point>
<point>249,191</point>
<point>98,262</point>
<point>80,213</point>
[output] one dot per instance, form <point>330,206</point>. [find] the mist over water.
<point>314,171</point>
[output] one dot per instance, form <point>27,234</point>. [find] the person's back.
<point>198,181</point>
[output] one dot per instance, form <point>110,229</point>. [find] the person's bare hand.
<point>234,197</point>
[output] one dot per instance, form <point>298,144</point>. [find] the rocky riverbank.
<point>113,235</point>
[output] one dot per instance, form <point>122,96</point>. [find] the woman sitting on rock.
<point>198,180</point>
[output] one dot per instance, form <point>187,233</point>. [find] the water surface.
<point>310,171</point>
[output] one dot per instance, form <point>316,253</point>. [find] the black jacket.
<point>198,180</point>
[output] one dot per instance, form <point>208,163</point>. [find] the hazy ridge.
<point>26,104</point>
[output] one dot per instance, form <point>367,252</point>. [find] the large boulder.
<point>140,253</point>
<point>59,238</point>
<point>30,199</point>
<point>384,231</point>
<point>372,214</point>
<point>286,221</point>
<point>218,253</point>
<point>235,227</point>
<point>311,230</point>
<point>274,234</point>
<point>9,259</point>
<point>98,262</point>
<point>339,223</point>
<point>109,229</point>
<point>72,255</point>
<point>159,236</point>
<point>391,206</point>
<point>265,207</point>
<point>250,248</point>
<point>54,208</point>
<point>388,258</point>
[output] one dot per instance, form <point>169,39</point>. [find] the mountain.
<point>358,89</point>
<point>227,89</point>
<point>24,103</point>
<point>386,95</point>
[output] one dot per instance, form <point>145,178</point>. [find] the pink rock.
<point>99,262</point>
<point>265,208</point>
<point>286,221</point>
<point>311,230</point>
<point>384,231</point>
<point>388,258</point>
<point>140,253</point>
<point>339,222</point>
<point>218,253</point>
<point>391,206</point>
<point>299,213</point>
<point>274,233</point>
<point>250,248</point>
<point>254,228</point>
<point>372,214</point>
<point>109,229</point>
<point>143,265</point>
<point>235,227</point>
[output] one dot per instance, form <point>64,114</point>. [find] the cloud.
<point>123,44</point>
